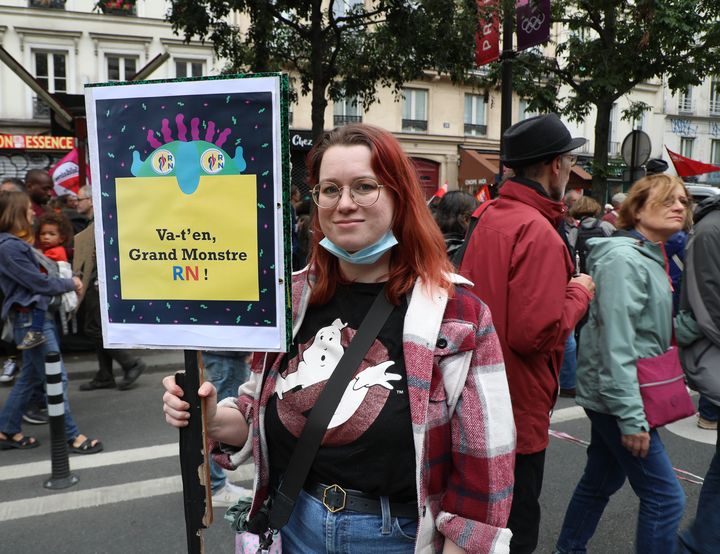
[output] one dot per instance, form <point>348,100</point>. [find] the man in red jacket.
<point>522,269</point>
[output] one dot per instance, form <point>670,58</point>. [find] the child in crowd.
<point>53,234</point>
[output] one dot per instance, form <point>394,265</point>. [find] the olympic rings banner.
<point>533,22</point>
<point>191,226</point>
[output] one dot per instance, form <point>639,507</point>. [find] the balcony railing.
<point>715,107</point>
<point>685,105</point>
<point>54,4</point>
<point>473,130</point>
<point>414,125</point>
<point>339,120</point>
<point>40,109</point>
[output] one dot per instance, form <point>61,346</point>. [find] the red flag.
<point>66,174</point>
<point>487,39</point>
<point>686,167</point>
<point>440,192</point>
<point>483,194</point>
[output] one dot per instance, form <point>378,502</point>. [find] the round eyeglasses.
<point>364,192</point>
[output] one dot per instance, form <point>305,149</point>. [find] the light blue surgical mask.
<point>368,255</point>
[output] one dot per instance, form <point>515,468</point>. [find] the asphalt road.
<point>128,498</point>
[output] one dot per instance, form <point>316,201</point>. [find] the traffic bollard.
<point>61,477</point>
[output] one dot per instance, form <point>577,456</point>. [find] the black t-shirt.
<point>369,442</point>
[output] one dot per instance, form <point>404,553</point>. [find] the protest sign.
<point>192,229</point>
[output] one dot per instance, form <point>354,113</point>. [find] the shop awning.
<point>479,168</point>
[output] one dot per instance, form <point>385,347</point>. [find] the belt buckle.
<point>334,489</point>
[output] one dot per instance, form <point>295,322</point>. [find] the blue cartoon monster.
<point>187,160</point>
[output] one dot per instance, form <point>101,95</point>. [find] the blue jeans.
<point>32,372</point>
<point>704,533</point>
<point>312,528</point>
<point>707,409</point>
<point>662,499</point>
<point>569,365</point>
<point>227,373</point>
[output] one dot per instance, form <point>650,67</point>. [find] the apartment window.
<point>341,8</point>
<point>523,111</point>
<point>685,103</point>
<point>686,146</point>
<point>121,68</point>
<point>613,142</point>
<point>55,4</point>
<point>715,95</point>
<point>639,123</point>
<point>414,110</point>
<point>51,72</point>
<point>474,117</point>
<point>715,152</point>
<point>189,68</point>
<point>347,111</point>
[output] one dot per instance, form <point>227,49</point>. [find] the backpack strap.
<point>474,218</point>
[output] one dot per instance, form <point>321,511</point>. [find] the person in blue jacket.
<point>24,285</point>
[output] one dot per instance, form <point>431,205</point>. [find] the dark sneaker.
<point>132,374</point>
<point>31,340</point>
<point>95,385</point>
<point>9,369</point>
<point>36,416</point>
<point>567,393</point>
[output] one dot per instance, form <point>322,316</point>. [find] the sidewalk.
<point>82,366</point>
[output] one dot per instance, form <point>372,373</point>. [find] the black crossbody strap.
<point>321,414</point>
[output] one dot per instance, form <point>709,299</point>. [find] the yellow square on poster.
<point>177,246</point>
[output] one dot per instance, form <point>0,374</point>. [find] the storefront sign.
<point>36,142</point>
<point>301,140</point>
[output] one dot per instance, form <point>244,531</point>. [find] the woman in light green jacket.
<point>630,318</point>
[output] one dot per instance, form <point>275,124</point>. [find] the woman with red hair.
<point>422,442</point>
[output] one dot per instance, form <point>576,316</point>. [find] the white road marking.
<point>66,501</point>
<point>101,459</point>
<point>687,428</point>
<point>21,471</point>
<point>567,414</point>
<point>77,499</point>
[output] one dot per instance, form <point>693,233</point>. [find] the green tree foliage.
<point>610,46</point>
<point>335,53</point>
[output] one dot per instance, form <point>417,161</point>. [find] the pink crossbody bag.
<point>662,387</point>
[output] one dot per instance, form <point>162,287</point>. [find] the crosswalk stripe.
<point>102,459</point>
<point>75,500</point>
<point>567,414</point>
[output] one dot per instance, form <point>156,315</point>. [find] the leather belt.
<point>335,499</point>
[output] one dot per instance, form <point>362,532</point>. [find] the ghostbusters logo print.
<point>299,387</point>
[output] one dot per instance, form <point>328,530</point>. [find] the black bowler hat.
<point>535,139</point>
<point>655,166</point>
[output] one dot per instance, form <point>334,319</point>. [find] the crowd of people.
<point>446,336</point>
<point>476,356</point>
<point>49,287</point>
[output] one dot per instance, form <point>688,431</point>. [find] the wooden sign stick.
<point>194,462</point>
